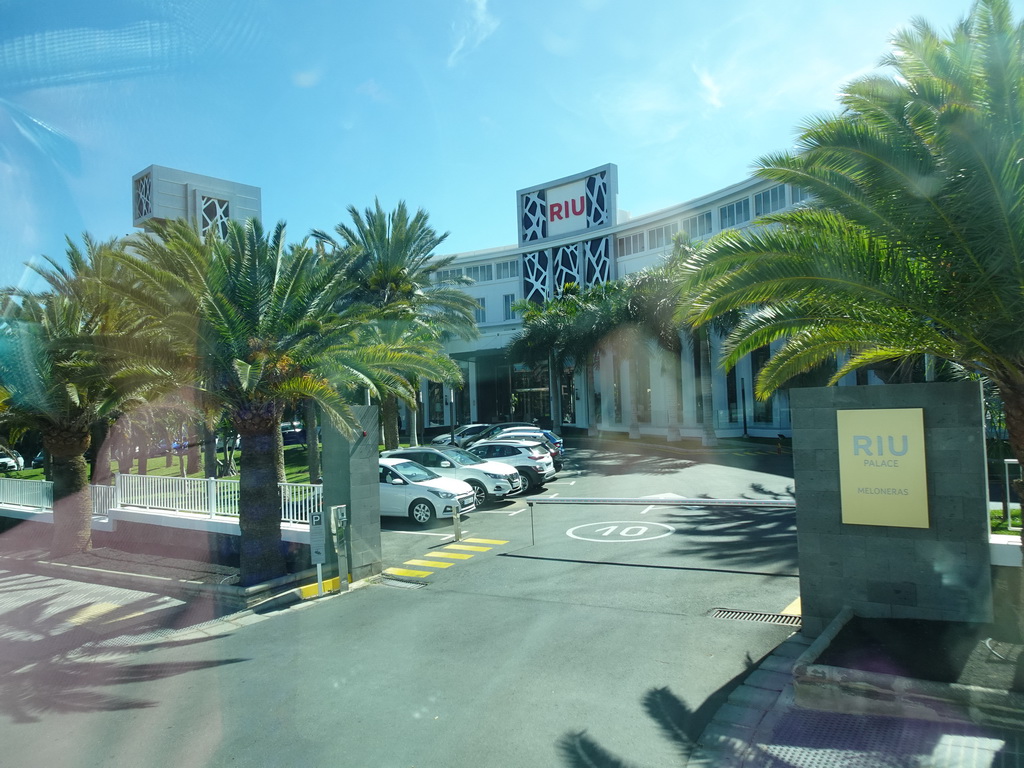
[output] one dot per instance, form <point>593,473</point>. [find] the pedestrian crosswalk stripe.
<point>469,548</point>
<point>486,541</point>
<point>453,555</point>
<point>429,563</point>
<point>405,572</point>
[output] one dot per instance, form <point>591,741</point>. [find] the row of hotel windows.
<point>506,309</point>
<point>481,273</point>
<point>730,215</point>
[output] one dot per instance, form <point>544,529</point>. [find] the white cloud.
<point>308,78</point>
<point>711,91</point>
<point>372,89</point>
<point>471,32</point>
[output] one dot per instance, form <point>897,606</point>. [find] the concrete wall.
<point>351,478</point>
<point>939,572</point>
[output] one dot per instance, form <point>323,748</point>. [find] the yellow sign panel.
<point>882,473</point>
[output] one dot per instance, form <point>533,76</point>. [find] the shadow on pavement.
<point>738,536</point>
<point>679,724</point>
<point>57,661</point>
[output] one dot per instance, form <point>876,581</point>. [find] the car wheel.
<point>528,481</point>
<point>421,511</point>
<point>480,493</point>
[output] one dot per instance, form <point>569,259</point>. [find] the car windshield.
<point>461,457</point>
<point>414,472</point>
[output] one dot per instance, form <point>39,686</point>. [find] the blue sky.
<point>451,105</point>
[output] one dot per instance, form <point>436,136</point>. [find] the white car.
<point>11,463</point>
<point>489,479</point>
<point>408,489</point>
<point>463,434</point>
<point>531,459</point>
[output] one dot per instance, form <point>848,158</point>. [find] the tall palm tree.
<point>397,270</point>
<point>915,246</point>
<point>63,372</point>
<point>257,325</point>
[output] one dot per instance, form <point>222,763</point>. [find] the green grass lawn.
<point>296,466</point>
<point>999,525</point>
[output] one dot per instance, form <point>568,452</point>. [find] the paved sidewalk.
<point>760,726</point>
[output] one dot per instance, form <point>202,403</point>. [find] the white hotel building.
<point>571,229</point>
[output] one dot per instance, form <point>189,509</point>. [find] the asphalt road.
<point>582,639</point>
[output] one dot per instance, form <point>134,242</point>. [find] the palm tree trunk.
<point>634,401</point>
<point>591,398</point>
<point>414,425</point>
<point>102,454</point>
<point>312,440</point>
<point>1013,405</point>
<point>209,438</point>
<point>72,505</point>
<point>259,495</point>
<point>389,415</point>
<point>710,438</point>
<point>672,401</point>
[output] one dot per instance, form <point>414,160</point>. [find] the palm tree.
<point>63,373</point>
<point>397,270</point>
<point>915,245</point>
<point>257,325</point>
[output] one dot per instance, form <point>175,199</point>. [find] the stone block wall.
<point>941,572</point>
<point>351,478</point>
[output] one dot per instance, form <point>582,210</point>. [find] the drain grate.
<point>785,619</point>
<point>395,581</point>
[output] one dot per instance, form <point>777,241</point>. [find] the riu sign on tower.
<point>568,220</point>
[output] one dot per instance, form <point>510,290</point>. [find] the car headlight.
<point>494,476</point>
<point>442,494</point>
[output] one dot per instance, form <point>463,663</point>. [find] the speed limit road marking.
<point>620,530</point>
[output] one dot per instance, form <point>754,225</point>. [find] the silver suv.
<point>531,459</point>
<point>489,479</point>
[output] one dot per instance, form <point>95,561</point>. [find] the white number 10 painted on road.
<point>633,530</point>
<point>620,530</point>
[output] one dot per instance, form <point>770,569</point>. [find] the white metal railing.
<point>1007,463</point>
<point>209,496</point>
<point>26,493</point>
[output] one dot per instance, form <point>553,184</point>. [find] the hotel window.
<point>798,195</point>
<point>734,213</point>
<point>770,200</point>
<point>480,313</point>
<point>699,225</point>
<point>631,244</point>
<point>508,300</point>
<point>480,273</point>
<point>444,275</point>
<point>659,237</point>
<point>507,269</point>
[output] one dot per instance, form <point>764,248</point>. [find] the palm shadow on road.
<point>680,725</point>
<point>602,463</point>
<point>56,662</point>
<point>747,537</point>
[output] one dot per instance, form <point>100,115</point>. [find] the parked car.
<point>493,429</point>
<point>293,434</point>
<point>531,432</point>
<point>536,436</point>
<point>11,463</point>
<point>463,434</point>
<point>39,461</point>
<point>488,479</point>
<point>531,459</point>
<point>408,489</point>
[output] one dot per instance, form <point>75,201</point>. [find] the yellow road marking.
<point>406,572</point>
<point>486,541</point>
<point>793,609</point>
<point>429,563</point>
<point>452,555</point>
<point>309,590</point>
<point>92,612</point>
<point>469,548</point>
